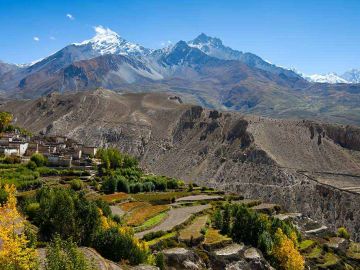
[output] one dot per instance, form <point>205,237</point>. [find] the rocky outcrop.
<point>181,258</point>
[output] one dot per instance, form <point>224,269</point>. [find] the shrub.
<point>31,165</point>
<point>117,219</point>
<point>148,187</point>
<point>136,188</point>
<point>218,220</point>
<point>12,160</point>
<point>3,196</point>
<point>191,187</point>
<point>32,210</point>
<point>152,235</point>
<point>160,261</point>
<point>119,244</point>
<point>109,186</point>
<point>64,254</point>
<point>39,159</point>
<point>76,184</point>
<point>123,185</point>
<point>343,233</point>
<point>172,184</point>
<point>130,162</point>
<point>104,206</point>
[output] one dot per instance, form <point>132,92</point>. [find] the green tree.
<point>39,159</point>
<point>65,255</point>
<point>218,219</point>
<point>123,185</point>
<point>76,184</point>
<point>5,120</point>
<point>226,223</point>
<point>109,186</point>
<point>68,214</point>
<point>342,232</point>
<point>119,244</point>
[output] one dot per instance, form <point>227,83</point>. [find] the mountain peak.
<point>106,41</point>
<point>326,78</point>
<point>204,39</point>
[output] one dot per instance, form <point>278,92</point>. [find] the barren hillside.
<point>304,166</point>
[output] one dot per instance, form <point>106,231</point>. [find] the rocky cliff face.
<point>308,167</point>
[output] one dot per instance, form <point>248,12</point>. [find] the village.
<point>60,151</point>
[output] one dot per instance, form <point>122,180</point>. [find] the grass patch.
<point>315,253</point>
<point>164,237</point>
<point>116,197</point>
<point>193,231</point>
<point>151,222</point>
<point>354,251</point>
<point>129,206</point>
<point>140,215</point>
<point>306,244</point>
<point>330,259</point>
<point>213,236</point>
<point>20,176</point>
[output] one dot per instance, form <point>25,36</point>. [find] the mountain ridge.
<point>202,71</point>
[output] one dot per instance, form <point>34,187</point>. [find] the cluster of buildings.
<point>59,150</point>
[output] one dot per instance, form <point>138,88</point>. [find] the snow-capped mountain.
<point>107,41</point>
<point>325,78</point>
<point>352,76</point>
<point>214,47</point>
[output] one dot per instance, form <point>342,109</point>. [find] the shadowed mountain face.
<point>202,71</point>
<point>304,166</point>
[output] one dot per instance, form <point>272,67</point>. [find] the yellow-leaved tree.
<point>15,254</point>
<point>286,253</point>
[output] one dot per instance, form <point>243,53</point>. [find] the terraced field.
<point>116,197</point>
<point>176,216</point>
<point>193,233</point>
<point>140,215</point>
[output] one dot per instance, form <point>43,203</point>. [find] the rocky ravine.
<point>308,167</point>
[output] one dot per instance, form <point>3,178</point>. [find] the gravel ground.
<point>176,216</point>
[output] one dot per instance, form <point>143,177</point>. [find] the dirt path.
<point>176,216</point>
<point>116,210</point>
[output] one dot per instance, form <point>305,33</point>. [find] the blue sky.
<point>313,36</point>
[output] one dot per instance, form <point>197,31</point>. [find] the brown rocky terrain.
<point>313,168</point>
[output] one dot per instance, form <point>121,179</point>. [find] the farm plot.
<point>116,197</point>
<point>200,197</point>
<point>162,197</point>
<point>130,206</point>
<point>176,216</point>
<point>193,233</point>
<point>213,238</point>
<point>140,215</point>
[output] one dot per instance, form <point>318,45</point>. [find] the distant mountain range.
<point>202,71</point>
<point>351,76</point>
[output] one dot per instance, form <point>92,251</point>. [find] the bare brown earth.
<point>303,166</point>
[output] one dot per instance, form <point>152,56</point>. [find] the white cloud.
<point>52,38</point>
<point>36,38</point>
<point>70,16</point>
